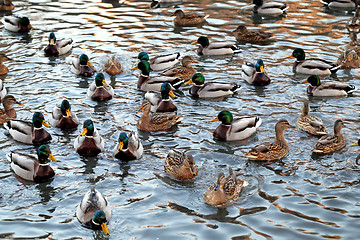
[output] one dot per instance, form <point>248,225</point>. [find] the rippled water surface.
<point>300,197</point>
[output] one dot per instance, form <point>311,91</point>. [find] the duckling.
<point>94,211</point>
<point>353,24</point>
<point>185,71</point>
<point>57,47</point>
<point>62,116</point>
<point>82,66</point>
<point>269,8</point>
<point>180,165</point>
<point>225,190</point>
<point>31,167</point>
<point>311,124</point>
<point>327,88</point>
<point>152,122</point>
<point>160,62</point>
<point>312,65</point>
<point>215,48</point>
<point>210,89</point>
<point>112,66</point>
<point>272,151</point>
<point>3,68</point>
<point>358,157</point>
<point>255,74</point>
<point>29,132</point>
<point>17,24</point>
<point>89,142</point>
<point>252,36</point>
<point>99,90</point>
<point>161,102</point>
<point>8,112</point>
<point>128,147</point>
<point>331,143</point>
<point>188,19</point>
<point>6,5</point>
<point>340,3</point>
<point>349,59</point>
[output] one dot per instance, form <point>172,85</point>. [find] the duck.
<point>99,90</point>
<point>215,48</point>
<point>255,74</point>
<point>210,89</point>
<point>349,59</point>
<point>6,5</point>
<point>186,71</point>
<point>94,211</point>
<point>160,62</point>
<point>33,167</point>
<point>269,8</point>
<point>29,132</point>
<point>112,66</point>
<point>161,102</point>
<point>319,88</point>
<point>164,3</point>
<point>331,143</point>
<point>180,165</point>
<point>354,44</point>
<point>57,47</point>
<point>17,24</point>
<point>8,112</point>
<point>353,24</point>
<point>225,190</point>
<point>152,122</point>
<point>311,124</point>
<point>340,3</point>
<point>3,68</point>
<point>312,65</point>
<point>82,66</point>
<point>272,151</point>
<point>232,129</point>
<point>63,117</point>
<point>128,147</point>
<point>89,142</point>
<point>357,144</point>
<point>189,18</point>
<point>242,34</point>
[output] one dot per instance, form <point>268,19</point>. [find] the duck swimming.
<point>112,66</point>
<point>185,71</point>
<point>82,66</point>
<point>89,142</point>
<point>331,143</point>
<point>160,62</point>
<point>57,47</point>
<point>242,34</point>
<point>269,8</point>
<point>6,5</point>
<point>3,68</point>
<point>161,102</point>
<point>17,24</point>
<point>215,48</point>
<point>180,165</point>
<point>189,18</point>
<point>128,147</point>
<point>311,124</point>
<point>255,74</point>
<point>8,112</point>
<point>99,90</point>
<point>63,117</point>
<point>340,3</point>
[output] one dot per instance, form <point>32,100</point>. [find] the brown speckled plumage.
<point>330,143</point>
<point>245,35</point>
<point>180,165</point>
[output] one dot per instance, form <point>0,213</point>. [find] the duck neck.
<point>279,137</point>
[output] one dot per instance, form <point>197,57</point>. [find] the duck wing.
<point>24,165</point>
<point>318,63</point>
<point>165,58</point>
<point>219,45</point>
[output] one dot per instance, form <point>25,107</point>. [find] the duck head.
<point>38,120</point>
<point>197,78</point>
<point>88,128</point>
<point>100,80</point>
<point>65,108</point>
<point>44,154</point>
<point>123,141</point>
<point>225,117</point>
<point>100,219</point>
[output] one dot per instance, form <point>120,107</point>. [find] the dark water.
<point>299,197</point>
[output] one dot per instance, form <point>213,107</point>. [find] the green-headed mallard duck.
<point>185,71</point>
<point>180,165</point>
<point>349,59</point>
<point>57,47</point>
<point>6,5</point>
<point>99,90</point>
<point>8,112</point>
<point>62,116</point>
<point>215,48</point>
<point>255,74</point>
<point>3,68</point>
<point>82,66</point>
<point>161,102</point>
<point>357,144</point>
<point>94,211</point>
<point>269,8</point>
<point>210,89</point>
<point>225,190</point>
<point>160,62</point>
<point>244,35</point>
<point>353,24</point>
<point>188,19</point>
<point>312,65</point>
<point>311,124</point>
<point>272,151</point>
<point>32,167</point>
<point>331,143</point>
<point>340,3</point>
<point>89,142</point>
<point>319,88</point>
<point>112,66</point>
<point>17,24</point>
<point>29,132</point>
<point>128,147</point>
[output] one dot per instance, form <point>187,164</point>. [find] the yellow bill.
<point>105,229</point>
<point>68,113</point>
<point>52,157</point>
<point>45,123</point>
<point>215,119</point>
<point>194,42</point>
<point>84,131</point>
<point>188,82</point>
<point>171,93</point>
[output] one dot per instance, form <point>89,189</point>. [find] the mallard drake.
<point>82,66</point>
<point>188,19</point>
<point>319,88</point>
<point>3,68</point>
<point>269,8</point>
<point>29,132</point>
<point>358,157</point>
<point>152,122</point>
<point>128,147</point>
<point>112,66</point>
<point>31,167</point>
<point>331,143</point>
<point>311,124</point>
<point>160,62</point>
<point>312,65</point>
<point>57,47</point>
<point>99,90</point>
<point>8,112</point>
<point>62,116</point>
<point>225,190</point>
<point>253,36</point>
<point>255,74</point>
<point>349,59</point>
<point>17,24</point>
<point>180,165</point>
<point>210,89</point>
<point>94,211</point>
<point>215,48</point>
<point>185,71</point>
<point>353,24</point>
<point>161,102</point>
<point>6,5</point>
<point>271,151</point>
<point>89,142</point>
<point>340,3</point>
<point>232,129</point>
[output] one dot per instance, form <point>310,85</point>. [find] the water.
<point>301,197</point>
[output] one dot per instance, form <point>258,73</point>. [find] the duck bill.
<point>31,27</point>
<point>105,229</point>
<point>355,144</point>
<point>305,81</point>
<point>134,68</point>
<point>105,83</point>
<point>121,146</point>
<point>192,170</point>
<point>262,69</point>
<point>52,157</point>
<point>52,41</point>
<point>45,123</point>
<point>188,82</point>
<point>217,186</point>
<point>171,93</point>
<point>215,119</point>
<point>290,56</point>
<point>84,131</point>
<point>68,113</point>
<point>194,42</point>
<point>19,103</point>
<point>293,127</point>
<point>89,64</point>
<point>250,3</point>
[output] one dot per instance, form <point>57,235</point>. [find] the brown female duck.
<point>186,71</point>
<point>188,19</point>
<point>311,124</point>
<point>8,112</point>
<point>253,36</point>
<point>349,59</point>
<point>353,24</point>
<point>180,165</point>
<point>3,68</point>
<point>112,66</point>
<point>331,143</point>
<point>6,5</point>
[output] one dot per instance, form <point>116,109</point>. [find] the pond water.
<point>301,196</point>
